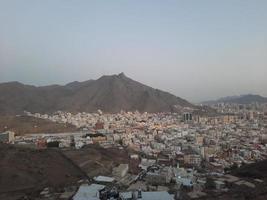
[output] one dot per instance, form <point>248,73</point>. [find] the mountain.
<point>108,93</point>
<point>242,99</point>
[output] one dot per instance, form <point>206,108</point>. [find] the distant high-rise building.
<point>187,117</point>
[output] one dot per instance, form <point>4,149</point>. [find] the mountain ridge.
<point>241,99</point>
<point>110,93</point>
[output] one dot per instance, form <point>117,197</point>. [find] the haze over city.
<point>198,50</point>
<point>133,100</point>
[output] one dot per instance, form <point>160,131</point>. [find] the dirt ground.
<point>22,125</point>
<point>95,160</point>
<point>24,171</point>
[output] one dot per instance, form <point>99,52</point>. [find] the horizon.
<point>112,100</point>
<point>195,50</point>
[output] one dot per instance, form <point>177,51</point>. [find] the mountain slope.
<point>108,93</point>
<point>242,99</point>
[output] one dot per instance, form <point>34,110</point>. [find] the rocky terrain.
<point>27,171</point>
<point>108,93</point>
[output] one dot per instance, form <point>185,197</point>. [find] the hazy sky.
<point>195,49</point>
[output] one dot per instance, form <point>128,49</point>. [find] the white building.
<point>121,170</point>
<point>88,192</point>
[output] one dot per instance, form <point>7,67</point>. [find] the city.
<point>167,152</point>
<point>133,100</point>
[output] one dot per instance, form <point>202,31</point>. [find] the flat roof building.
<point>89,192</point>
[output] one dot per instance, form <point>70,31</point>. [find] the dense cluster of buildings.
<point>174,150</point>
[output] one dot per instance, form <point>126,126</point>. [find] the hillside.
<point>22,125</point>
<point>28,171</point>
<point>108,93</point>
<point>242,99</point>
<point>255,173</point>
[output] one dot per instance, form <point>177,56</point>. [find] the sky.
<point>197,50</point>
